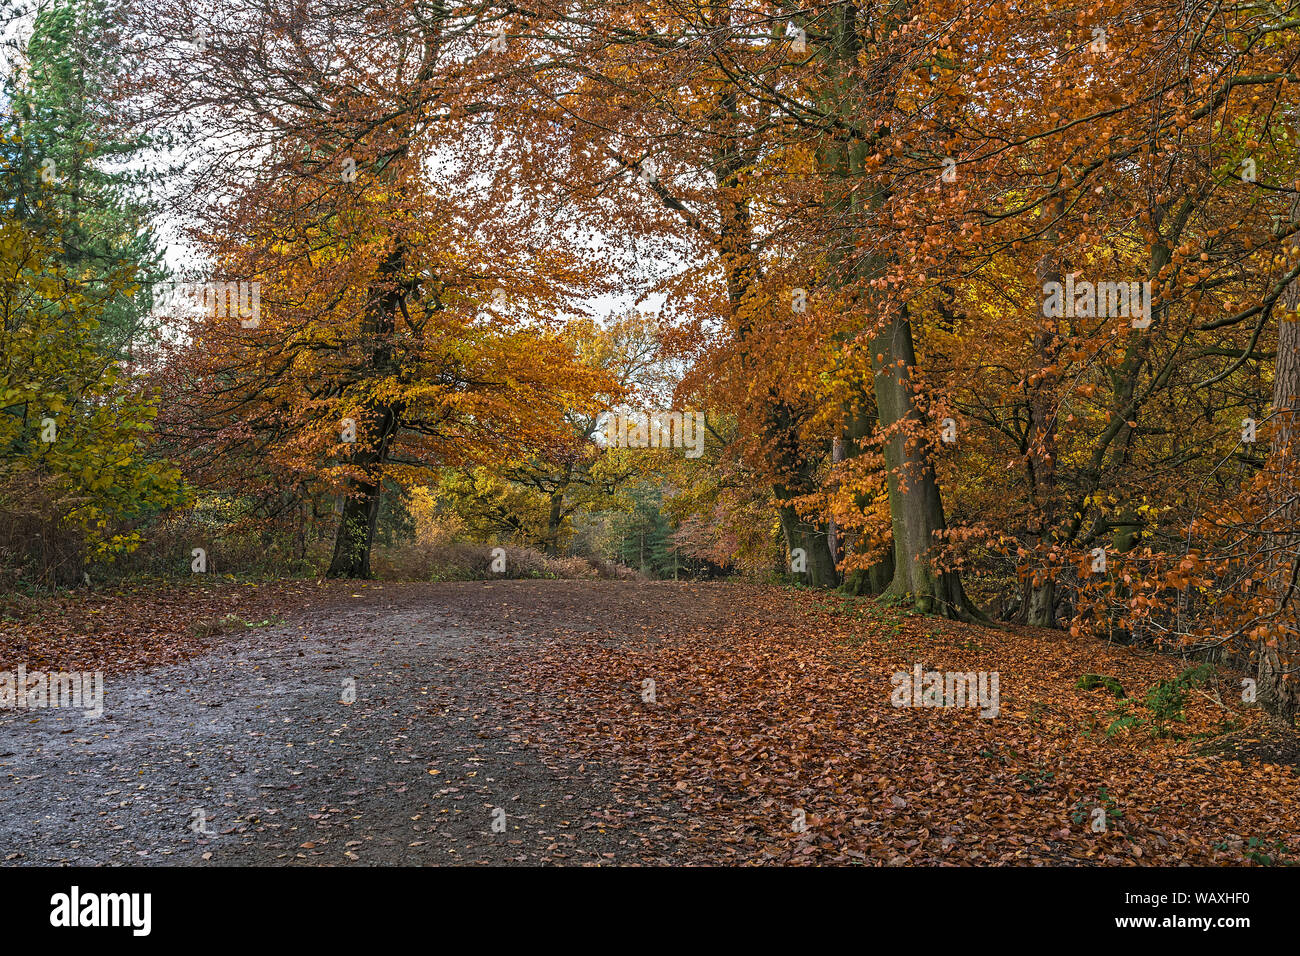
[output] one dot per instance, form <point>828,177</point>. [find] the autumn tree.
<point>77,473</point>
<point>401,327</point>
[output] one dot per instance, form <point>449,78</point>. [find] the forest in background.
<point>987,310</point>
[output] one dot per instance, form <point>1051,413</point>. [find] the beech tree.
<point>400,329</point>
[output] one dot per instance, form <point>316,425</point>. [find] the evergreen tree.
<point>76,168</point>
<point>76,477</point>
<point>646,537</point>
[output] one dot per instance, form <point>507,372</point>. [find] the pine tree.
<point>89,172</point>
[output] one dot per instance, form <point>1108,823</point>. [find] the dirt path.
<point>526,722</point>
<point>254,744</point>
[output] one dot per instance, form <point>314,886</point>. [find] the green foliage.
<point>1168,698</point>
<point>78,178</point>
<point>73,425</point>
<point>645,535</point>
<point>1255,848</point>
<point>1082,811</point>
<point>1163,704</point>
<point>1260,851</point>
<point>1037,779</point>
<point>493,509</point>
<point>1093,681</point>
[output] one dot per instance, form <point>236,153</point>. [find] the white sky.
<point>16,21</point>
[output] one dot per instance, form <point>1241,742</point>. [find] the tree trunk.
<point>778,419</point>
<point>356,531</point>
<point>780,424</point>
<point>553,521</point>
<point>1278,654</point>
<point>1041,607</point>
<point>1040,451</point>
<point>811,540</point>
<point>874,580</point>
<point>916,510</point>
<point>914,502</point>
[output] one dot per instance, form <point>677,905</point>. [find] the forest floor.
<point>585,722</point>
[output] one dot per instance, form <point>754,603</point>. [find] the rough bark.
<point>1278,654</point>
<point>553,521</point>
<point>356,531</point>
<point>779,419</point>
<point>1040,451</point>
<point>916,508</point>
